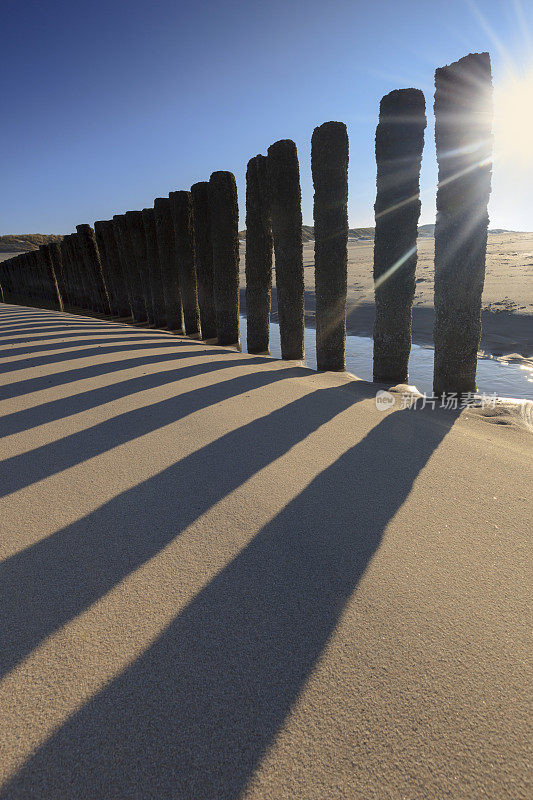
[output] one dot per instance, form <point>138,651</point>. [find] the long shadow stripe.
<point>195,714</point>
<point>19,388</point>
<point>65,407</point>
<point>45,585</point>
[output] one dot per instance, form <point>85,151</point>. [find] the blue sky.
<point>110,104</point>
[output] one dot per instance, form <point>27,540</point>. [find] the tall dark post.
<point>166,244</point>
<point>129,266</point>
<point>82,280</point>
<point>329,165</point>
<point>152,256</point>
<point>125,225</point>
<point>25,266</point>
<point>16,288</point>
<point>258,255</point>
<point>66,269</point>
<point>114,268</point>
<point>57,267</point>
<point>224,212</point>
<point>399,145</point>
<point>42,287</point>
<point>135,224</point>
<point>50,291</point>
<point>108,276</point>
<point>463,134</point>
<point>203,254</point>
<point>93,267</point>
<point>21,288</point>
<point>35,292</point>
<point>285,198</point>
<point>71,298</point>
<point>181,209</point>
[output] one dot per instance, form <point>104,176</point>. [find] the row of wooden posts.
<point>176,265</point>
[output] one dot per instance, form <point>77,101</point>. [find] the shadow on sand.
<point>193,716</point>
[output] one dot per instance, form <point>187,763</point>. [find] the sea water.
<point>504,379</point>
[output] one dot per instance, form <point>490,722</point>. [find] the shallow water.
<point>493,376</point>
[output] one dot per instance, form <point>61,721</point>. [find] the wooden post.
<point>399,145</point>
<point>224,212</point>
<point>203,255</point>
<point>109,277</point>
<point>463,134</point>
<point>152,256</point>
<point>68,274</point>
<point>166,244</point>
<point>135,224</point>
<point>57,268</point>
<point>129,266</point>
<point>83,284</point>
<point>285,198</point>
<point>50,293</point>
<point>329,165</point>
<point>115,268</point>
<point>93,267</point>
<point>258,255</point>
<point>181,209</point>
<point>126,224</point>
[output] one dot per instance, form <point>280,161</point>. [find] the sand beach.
<point>229,576</point>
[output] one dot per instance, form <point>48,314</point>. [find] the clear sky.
<point>109,104</point>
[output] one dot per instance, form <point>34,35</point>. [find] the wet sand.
<point>507,298</point>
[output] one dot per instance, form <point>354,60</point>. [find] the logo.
<point>384,400</point>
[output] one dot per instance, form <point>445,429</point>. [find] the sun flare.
<point>513,119</point>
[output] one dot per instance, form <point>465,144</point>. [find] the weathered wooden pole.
<point>95,298</point>
<point>19,281</point>
<point>152,256</point>
<point>50,292</point>
<point>127,224</point>
<point>34,284</point>
<point>463,135</point>
<point>12,290</point>
<point>258,255</point>
<point>399,145</point>
<point>224,214</point>
<point>83,293</point>
<point>25,265</point>
<point>66,269</point>
<point>24,288</point>
<point>108,276</point>
<point>203,256</point>
<point>114,268</point>
<point>34,278</point>
<point>44,270</point>
<point>181,209</point>
<point>166,244</point>
<point>128,264</point>
<point>57,266</point>
<point>40,279</point>
<point>94,267</point>
<point>329,165</point>
<point>4,293</point>
<point>136,228</point>
<point>41,282</point>
<point>285,199</point>
<point>67,273</point>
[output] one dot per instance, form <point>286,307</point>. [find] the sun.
<point>513,119</point>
